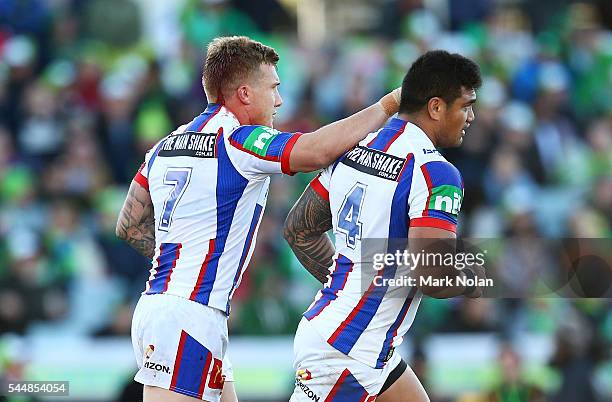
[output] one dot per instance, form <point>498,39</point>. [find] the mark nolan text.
<point>431,281</point>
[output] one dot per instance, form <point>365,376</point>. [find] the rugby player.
<point>393,185</point>
<point>194,208</point>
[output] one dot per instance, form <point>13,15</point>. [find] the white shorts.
<point>325,374</point>
<point>180,345</point>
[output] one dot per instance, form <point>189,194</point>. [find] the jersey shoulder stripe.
<point>199,122</point>
<point>387,136</point>
<point>445,188</point>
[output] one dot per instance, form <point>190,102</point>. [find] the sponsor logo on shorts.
<point>303,374</point>
<point>306,389</point>
<point>217,379</point>
<point>157,367</point>
<point>148,351</point>
<point>389,355</point>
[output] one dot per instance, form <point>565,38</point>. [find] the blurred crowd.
<point>86,88</point>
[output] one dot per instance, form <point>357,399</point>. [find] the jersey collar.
<point>411,129</point>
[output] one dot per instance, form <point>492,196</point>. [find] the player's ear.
<point>436,108</point>
<point>244,94</point>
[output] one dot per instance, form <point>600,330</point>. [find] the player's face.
<point>458,117</point>
<point>266,96</point>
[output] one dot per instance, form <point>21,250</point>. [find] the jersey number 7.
<point>179,179</point>
<point>348,216</point>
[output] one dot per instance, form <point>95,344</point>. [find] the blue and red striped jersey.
<point>393,180</point>
<point>208,181</point>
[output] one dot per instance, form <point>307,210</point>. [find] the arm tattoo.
<point>305,231</point>
<point>136,224</point>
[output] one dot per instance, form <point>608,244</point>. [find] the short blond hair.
<point>230,59</point>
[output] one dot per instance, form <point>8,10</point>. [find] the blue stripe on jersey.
<point>335,165</point>
<point>241,134</point>
<point>168,255</point>
<point>347,389</point>
<point>245,251</point>
<point>191,367</point>
<point>154,156</point>
<point>230,187</point>
<point>347,334</point>
<point>277,146</point>
<point>274,150</point>
<point>434,213</point>
<point>343,268</point>
<point>398,224</point>
<point>385,135</point>
<point>443,173</point>
<point>199,121</point>
<point>398,228</point>
<point>392,331</point>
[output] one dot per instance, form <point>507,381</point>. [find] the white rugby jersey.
<point>208,181</point>
<point>393,180</point>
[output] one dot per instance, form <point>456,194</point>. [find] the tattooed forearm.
<point>305,231</point>
<point>136,223</point>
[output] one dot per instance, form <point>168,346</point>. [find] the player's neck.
<point>421,123</point>
<point>238,111</point>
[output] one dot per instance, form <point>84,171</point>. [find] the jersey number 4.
<point>348,217</point>
<point>179,179</point>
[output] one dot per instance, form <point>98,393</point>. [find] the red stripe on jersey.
<point>319,188</point>
<point>177,360</point>
<point>209,117</point>
<point>143,181</point>
<point>219,138</point>
<point>337,385</point>
<point>408,157</point>
<point>285,156</point>
<point>353,313</point>
<point>401,130</point>
<point>176,257</point>
<point>238,145</point>
<point>196,288</point>
<point>430,222</point>
<point>429,187</point>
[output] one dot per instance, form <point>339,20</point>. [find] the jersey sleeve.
<point>262,150</point>
<point>320,184</point>
<point>436,197</point>
<point>142,175</point>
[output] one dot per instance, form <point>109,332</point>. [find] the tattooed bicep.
<point>311,213</point>
<point>136,223</point>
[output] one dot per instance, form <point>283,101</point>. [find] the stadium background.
<point>86,87</point>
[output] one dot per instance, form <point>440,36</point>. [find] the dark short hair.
<point>231,59</point>
<point>437,73</point>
